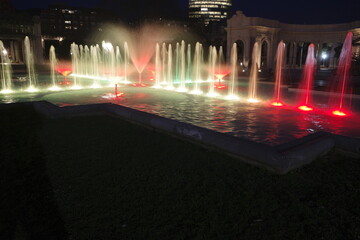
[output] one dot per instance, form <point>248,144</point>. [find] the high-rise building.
<point>208,11</point>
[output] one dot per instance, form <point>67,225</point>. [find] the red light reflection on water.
<point>339,113</point>
<point>138,85</point>
<point>305,108</point>
<point>277,104</point>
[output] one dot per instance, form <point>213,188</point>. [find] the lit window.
<point>68,22</point>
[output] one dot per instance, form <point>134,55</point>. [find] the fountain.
<point>29,60</point>
<point>307,80</point>
<point>232,95</point>
<point>342,85</point>
<point>279,74</point>
<point>53,64</point>
<point>254,74</point>
<point>5,70</point>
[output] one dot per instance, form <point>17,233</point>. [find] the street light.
<point>324,56</point>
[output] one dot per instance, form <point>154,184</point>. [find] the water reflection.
<point>259,122</point>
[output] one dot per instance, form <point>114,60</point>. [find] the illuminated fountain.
<point>277,102</point>
<point>307,80</point>
<point>29,60</point>
<point>232,94</point>
<point>5,70</point>
<point>198,64</point>
<point>221,70</point>
<point>338,101</point>
<point>53,64</point>
<point>254,74</point>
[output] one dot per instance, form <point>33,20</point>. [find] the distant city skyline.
<point>302,12</point>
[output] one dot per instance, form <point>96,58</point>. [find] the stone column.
<point>291,53</point>
<point>17,52</point>
<point>12,51</point>
<point>294,55</point>
<point>301,54</point>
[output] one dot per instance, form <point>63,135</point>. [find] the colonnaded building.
<point>327,38</point>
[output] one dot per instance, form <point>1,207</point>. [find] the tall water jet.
<point>169,69</point>
<point>188,60</point>
<point>221,70</point>
<point>53,63</point>
<point>182,69</point>
<point>29,60</point>
<point>212,71</point>
<point>232,95</point>
<point>197,68</point>
<point>279,74</point>
<point>75,63</point>
<point>126,61</point>
<point>342,84</point>
<point>157,67</point>
<point>5,70</point>
<point>307,80</point>
<point>254,73</point>
<point>163,63</point>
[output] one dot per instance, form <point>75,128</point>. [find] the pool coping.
<point>280,158</point>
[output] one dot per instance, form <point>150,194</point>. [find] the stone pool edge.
<point>280,159</point>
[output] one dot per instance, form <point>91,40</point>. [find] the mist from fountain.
<point>198,63</point>
<point>5,70</point>
<point>29,61</point>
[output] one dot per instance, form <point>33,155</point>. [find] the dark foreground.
<point>103,178</point>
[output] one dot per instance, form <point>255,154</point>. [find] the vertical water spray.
<point>342,85</point>
<point>157,66</point>
<point>279,74</point>
<point>53,63</point>
<point>163,63</point>
<point>126,61</point>
<point>213,61</point>
<point>5,70</point>
<point>169,69</point>
<point>182,66</point>
<point>307,80</point>
<point>197,68</point>
<point>188,58</point>
<point>75,62</point>
<point>254,73</point>
<point>234,74</point>
<point>29,60</point>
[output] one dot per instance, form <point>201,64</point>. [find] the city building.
<point>327,38</point>
<point>14,27</point>
<point>208,11</point>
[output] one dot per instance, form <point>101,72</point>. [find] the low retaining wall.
<point>281,158</point>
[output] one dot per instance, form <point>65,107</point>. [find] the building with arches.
<point>327,38</point>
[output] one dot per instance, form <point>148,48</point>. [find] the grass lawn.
<point>104,178</point>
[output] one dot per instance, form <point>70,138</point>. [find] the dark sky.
<point>303,12</point>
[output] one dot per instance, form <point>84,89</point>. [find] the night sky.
<point>303,12</point>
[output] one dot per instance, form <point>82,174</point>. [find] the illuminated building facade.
<point>208,11</point>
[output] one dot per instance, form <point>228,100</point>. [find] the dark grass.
<point>115,180</point>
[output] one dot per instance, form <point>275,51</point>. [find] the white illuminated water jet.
<point>232,95</point>
<point>5,70</point>
<point>53,63</point>
<point>29,60</point>
<point>254,74</point>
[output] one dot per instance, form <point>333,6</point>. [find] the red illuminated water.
<point>306,83</point>
<point>341,83</point>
